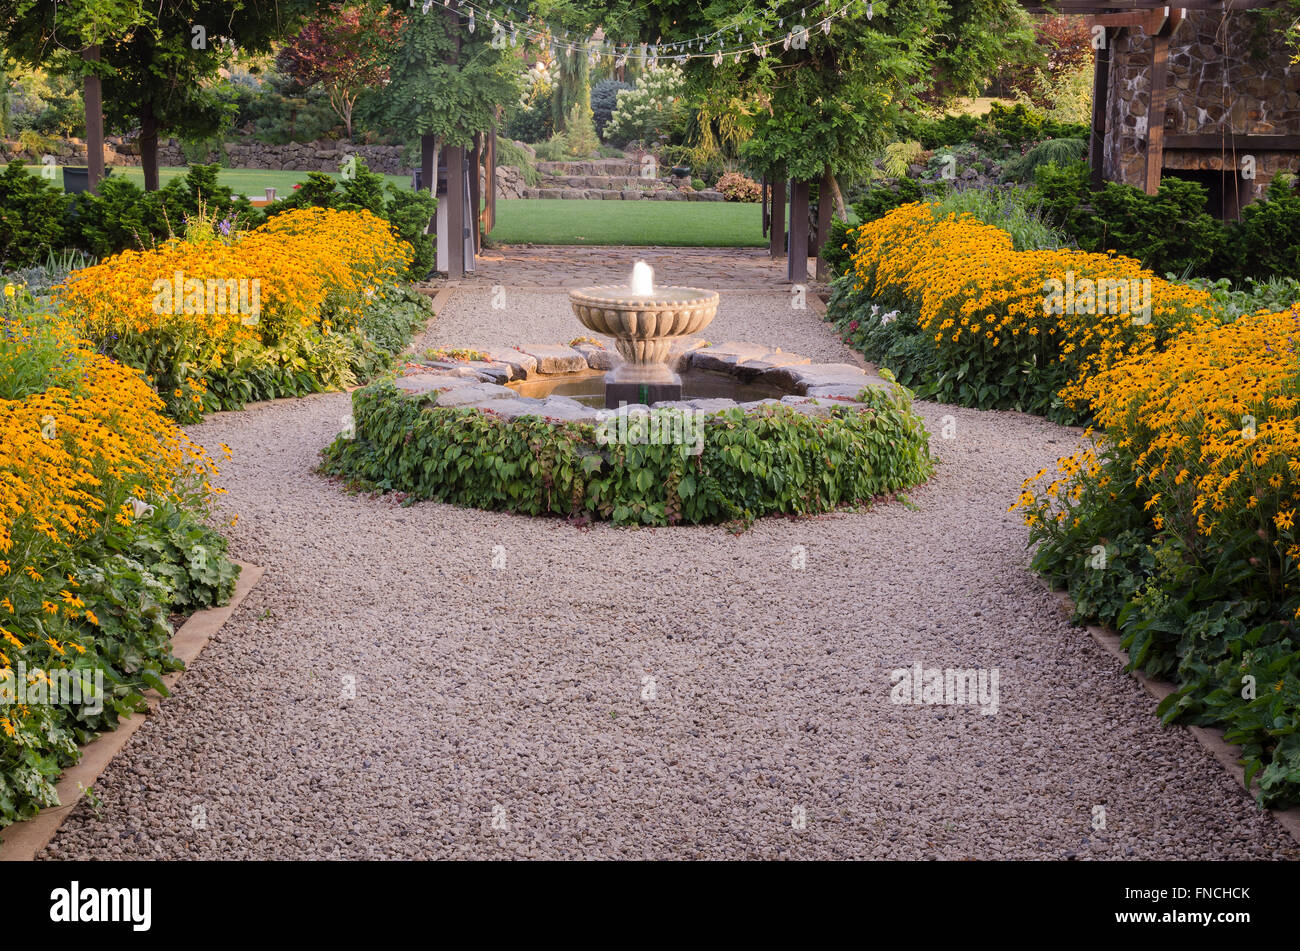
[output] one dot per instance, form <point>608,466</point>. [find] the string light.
<point>682,49</point>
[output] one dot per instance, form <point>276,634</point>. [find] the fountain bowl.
<point>643,327</point>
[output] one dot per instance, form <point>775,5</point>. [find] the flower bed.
<point>1179,530</point>
<point>980,324</point>
<point>306,302</point>
<point>101,540</point>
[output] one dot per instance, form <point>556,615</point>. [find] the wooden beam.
<point>1227,142</point>
<point>1107,7</point>
<point>796,262</point>
<point>1100,91</point>
<point>1136,18</point>
<point>776,233</point>
<point>1156,111</point>
<point>94,100</point>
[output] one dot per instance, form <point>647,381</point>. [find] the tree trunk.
<point>94,100</point>
<point>833,186</point>
<point>149,146</point>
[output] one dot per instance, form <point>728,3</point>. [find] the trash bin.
<point>76,178</point>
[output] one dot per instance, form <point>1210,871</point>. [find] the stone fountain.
<point>643,320</point>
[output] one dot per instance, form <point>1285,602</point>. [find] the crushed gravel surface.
<point>386,692</point>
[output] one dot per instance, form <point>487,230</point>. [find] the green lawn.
<point>551,221</point>
<point>245,181</point>
<point>592,221</point>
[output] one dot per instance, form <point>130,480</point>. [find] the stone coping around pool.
<point>481,384</point>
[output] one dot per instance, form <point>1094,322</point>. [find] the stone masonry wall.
<point>1225,75</point>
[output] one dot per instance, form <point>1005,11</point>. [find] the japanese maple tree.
<point>346,51</point>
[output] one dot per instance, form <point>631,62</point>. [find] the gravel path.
<point>500,712</point>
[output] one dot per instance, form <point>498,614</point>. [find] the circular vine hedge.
<point>661,466</point>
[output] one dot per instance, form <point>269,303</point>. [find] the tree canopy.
<point>429,94</point>
<point>825,95</point>
<point>154,58</point>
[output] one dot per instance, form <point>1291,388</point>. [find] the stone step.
<point>590,167</point>
<point>597,181</point>
<point>609,194</point>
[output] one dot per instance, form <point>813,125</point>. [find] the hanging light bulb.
<point>871,10</point>
<point>717,59</point>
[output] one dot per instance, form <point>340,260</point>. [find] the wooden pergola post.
<point>455,175</point>
<point>455,211</point>
<point>429,176</point>
<point>94,98</point>
<point>776,230</point>
<point>1156,112</point>
<point>475,190</point>
<point>796,262</point>
<point>490,206</point>
<point>1100,92</point>
<point>825,212</point>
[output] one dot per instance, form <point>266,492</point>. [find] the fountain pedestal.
<point>643,326</point>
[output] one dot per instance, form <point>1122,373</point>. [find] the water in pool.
<point>589,388</point>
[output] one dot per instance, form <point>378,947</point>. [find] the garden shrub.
<point>1015,126</point>
<point>883,197</point>
<point>651,109</point>
<point>1008,209</point>
<point>985,309</point>
<point>122,216</point>
<point>1251,296</point>
<point>835,252</point>
<point>604,97</point>
<point>1266,243</point>
<point>776,460</point>
<point>1059,152</point>
<point>944,130</point>
<point>1188,508</point>
<point>534,122</point>
<point>736,187</point>
<point>102,538</point>
<point>1127,220</point>
<point>31,217</point>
